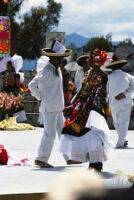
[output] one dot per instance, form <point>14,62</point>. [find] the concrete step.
<point>32,118</point>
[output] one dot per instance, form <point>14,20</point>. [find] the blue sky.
<point>91,18</point>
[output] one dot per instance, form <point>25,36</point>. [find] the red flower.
<point>100,57</point>
<point>4,35</point>
<point>97,52</point>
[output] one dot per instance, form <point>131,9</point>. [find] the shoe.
<point>122,146</point>
<point>97,166</point>
<point>126,143</point>
<point>71,162</point>
<point>42,164</point>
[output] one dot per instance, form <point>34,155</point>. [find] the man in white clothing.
<point>83,62</point>
<point>120,87</point>
<point>47,86</point>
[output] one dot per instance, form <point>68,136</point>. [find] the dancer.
<point>47,86</point>
<point>83,62</point>
<point>120,87</point>
<point>86,136</point>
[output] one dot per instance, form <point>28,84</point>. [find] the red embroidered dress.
<point>92,96</point>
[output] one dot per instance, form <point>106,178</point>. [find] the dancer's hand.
<point>120,96</point>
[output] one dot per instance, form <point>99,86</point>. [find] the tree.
<point>10,9</point>
<point>33,28</point>
<point>102,43</point>
<point>125,42</point>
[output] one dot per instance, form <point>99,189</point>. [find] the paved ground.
<point>30,179</point>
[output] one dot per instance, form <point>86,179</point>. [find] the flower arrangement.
<point>9,103</point>
<point>99,57</point>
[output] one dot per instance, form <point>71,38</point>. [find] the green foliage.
<point>30,33</point>
<point>102,43</point>
<point>33,28</point>
<point>10,9</point>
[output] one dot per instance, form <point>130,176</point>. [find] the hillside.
<point>79,40</point>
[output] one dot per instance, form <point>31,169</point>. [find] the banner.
<point>7,1</point>
<point>4,36</point>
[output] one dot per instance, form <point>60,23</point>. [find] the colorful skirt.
<point>94,146</point>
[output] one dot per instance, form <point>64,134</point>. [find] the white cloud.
<point>94,17</point>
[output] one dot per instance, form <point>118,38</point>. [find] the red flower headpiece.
<point>99,57</point>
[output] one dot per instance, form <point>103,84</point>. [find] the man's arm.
<point>129,91</point>
<point>33,86</point>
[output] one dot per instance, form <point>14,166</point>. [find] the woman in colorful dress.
<point>12,80</point>
<point>85,135</point>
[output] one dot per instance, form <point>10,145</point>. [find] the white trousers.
<point>53,122</point>
<point>121,119</point>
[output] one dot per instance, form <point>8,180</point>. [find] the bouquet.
<point>9,103</point>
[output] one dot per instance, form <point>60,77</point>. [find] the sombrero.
<point>82,59</point>
<point>57,50</point>
<point>48,52</point>
<point>116,64</point>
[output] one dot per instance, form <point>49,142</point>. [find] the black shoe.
<point>126,143</point>
<point>42,164</point>
<point>97,166</point>
<point>71,162</point>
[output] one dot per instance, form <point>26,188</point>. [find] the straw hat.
<point>57,50</point>
<point>81,60</point>
<point>116,64</point>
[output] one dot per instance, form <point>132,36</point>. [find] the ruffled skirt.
<point>94,146</point>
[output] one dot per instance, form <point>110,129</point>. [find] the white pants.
<point>53,122</point>
<point>121,119</point>
<point>41,119</point>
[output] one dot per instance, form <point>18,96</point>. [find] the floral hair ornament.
<point>98,57</point>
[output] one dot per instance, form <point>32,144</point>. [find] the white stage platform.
<point>31,179</point>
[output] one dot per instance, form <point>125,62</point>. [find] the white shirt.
<point>78,79</point>
<point>48,88</point>
<point>120,82</point>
